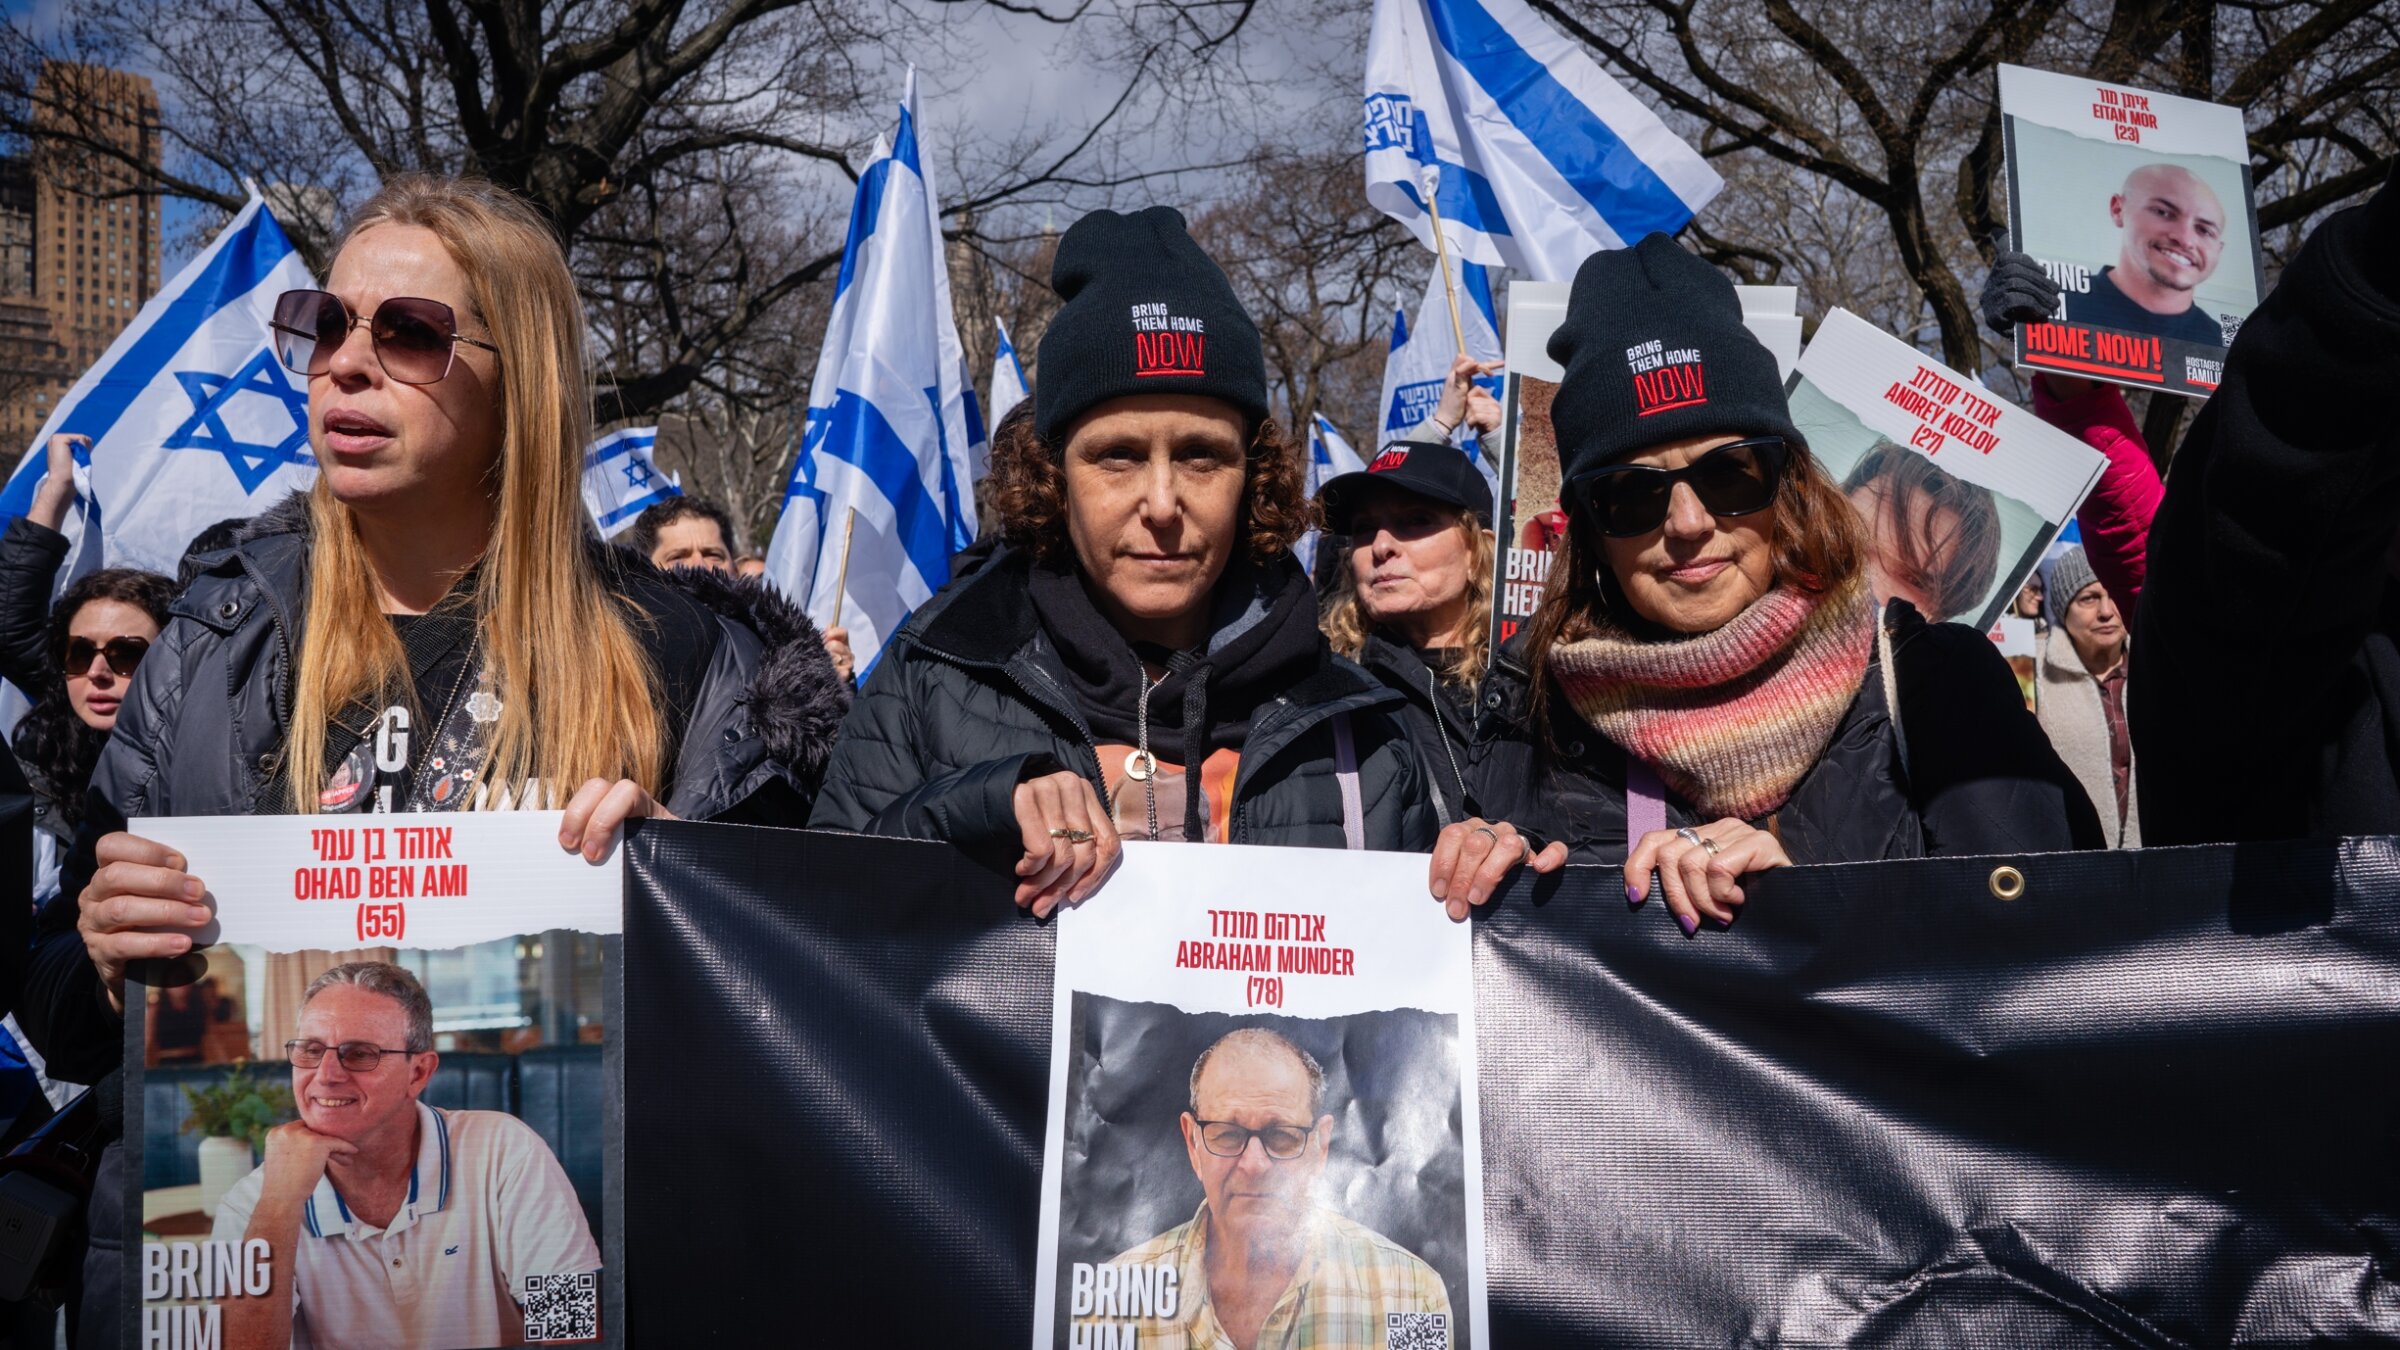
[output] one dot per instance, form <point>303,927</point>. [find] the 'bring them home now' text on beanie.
<point>1146,312</point>
<point>1654,350</point>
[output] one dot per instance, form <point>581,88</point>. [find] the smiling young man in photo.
<point>2173,234</point>
<point>390,1222</point>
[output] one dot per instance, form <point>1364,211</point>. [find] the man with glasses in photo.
<point>390,1222</point>
<point>1262,1264</point>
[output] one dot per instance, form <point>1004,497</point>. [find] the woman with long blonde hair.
<point>434,626</point>
<point>1412,595</point>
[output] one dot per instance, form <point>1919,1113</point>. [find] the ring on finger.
<point>1072,836</point>
<point>1487,830</point>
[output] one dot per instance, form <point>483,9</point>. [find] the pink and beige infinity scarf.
<point>1730,719</point>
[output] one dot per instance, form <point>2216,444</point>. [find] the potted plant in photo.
<point>232,1117</point>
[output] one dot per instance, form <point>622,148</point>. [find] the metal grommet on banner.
<point>2007,883</point>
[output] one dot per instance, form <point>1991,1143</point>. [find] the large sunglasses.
<point>1739,479</point>
<point>415,340</point>
<point>122,654</point>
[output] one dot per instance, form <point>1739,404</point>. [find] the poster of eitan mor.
<point>2139,205</point>
<point>377,1106</point>
<point>1263,1115</point>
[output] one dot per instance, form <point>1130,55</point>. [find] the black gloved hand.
<point>2017,291</point>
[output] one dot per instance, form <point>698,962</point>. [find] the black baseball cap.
<point>1432,469</point>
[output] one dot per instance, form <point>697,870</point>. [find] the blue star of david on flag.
<point>252,462</point>
<point>637,474</point>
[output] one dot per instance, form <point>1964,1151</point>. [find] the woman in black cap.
<point>1142,658</point>
<point>1708,689</point>
<point>1412,595</point>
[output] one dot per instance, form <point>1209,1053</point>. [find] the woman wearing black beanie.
<point>1709,687</point>
<point>1141,660</point>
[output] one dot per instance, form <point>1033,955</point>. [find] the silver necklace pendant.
<point>484,706</point>
<point>1141,766</point>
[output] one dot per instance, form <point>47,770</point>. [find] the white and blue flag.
<point>1420,358</point>
<point>1543,159</point>
<point>882,491</point>
<point>621,479</point>
<point>1008,376</point>
<point>191,418</point>
<point>1329,457</point>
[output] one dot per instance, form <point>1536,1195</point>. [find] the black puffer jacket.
<point>1440,721</point>
<point>1976,775</point>
<point>2265,685</point>
<point>203,727</point>
<point>971,698</point>
<point>30,556</point>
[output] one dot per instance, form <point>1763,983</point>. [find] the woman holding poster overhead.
<point>1708,689</point>
<point>1142,659</point>
<point>432,627</point>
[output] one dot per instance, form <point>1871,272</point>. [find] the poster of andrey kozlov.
<point>374,1107</point>
<point>1262,1125</point>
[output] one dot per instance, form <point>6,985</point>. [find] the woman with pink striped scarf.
<point>1710,687</point>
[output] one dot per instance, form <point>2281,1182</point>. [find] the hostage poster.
<point>377,1104</point>
<point>1263,1117</point>
<point>2139,205</point>
<point>1960,490</point>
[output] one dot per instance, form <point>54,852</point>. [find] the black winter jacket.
<point>202,729</point>
<point>1976,774</point>
<point>2265,686</point>
<point>1440,721</point>
<point>971,699</point>
<point>30,556</point>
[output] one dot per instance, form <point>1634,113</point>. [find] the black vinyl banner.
<point>2130,1099</point>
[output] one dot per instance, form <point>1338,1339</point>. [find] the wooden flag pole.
<point>1431,177</point>
<point>841,588</point>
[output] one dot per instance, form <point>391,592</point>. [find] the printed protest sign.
<point>1961,490</point>
<point>376,1106</point>
<point>1263,1117</point>
<point>2139,205</point>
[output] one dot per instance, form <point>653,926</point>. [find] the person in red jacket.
<point>2115,518</point>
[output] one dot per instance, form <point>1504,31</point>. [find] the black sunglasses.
<point>122,654</point>
<point>415,339</point>
<point>1739,479</point>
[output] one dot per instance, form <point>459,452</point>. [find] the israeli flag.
<point>192,419</point>
<point>621,479</point>
<point>1539,159</point>
<point>1329,457</point>
<point>1008,376</point>
<point>1420,360</point>
<point>882,491</point>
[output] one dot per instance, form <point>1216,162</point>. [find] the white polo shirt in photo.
<point>488,1205</point>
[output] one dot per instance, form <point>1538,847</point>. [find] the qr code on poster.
<point>1416,1331</point>
<point>562,1308</point>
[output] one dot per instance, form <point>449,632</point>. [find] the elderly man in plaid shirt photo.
<point>1262,1266</point>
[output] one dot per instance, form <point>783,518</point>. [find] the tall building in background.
<point>94,251</point>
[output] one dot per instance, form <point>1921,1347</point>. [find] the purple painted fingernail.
<point>1688,924</point>
<point>1635,895</point>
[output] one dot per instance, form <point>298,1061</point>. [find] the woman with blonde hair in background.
<point>434,626</point>
<point>1412,596</point>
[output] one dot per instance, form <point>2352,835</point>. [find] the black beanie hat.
<point>1654,350</point>
<point>1146,313</point>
